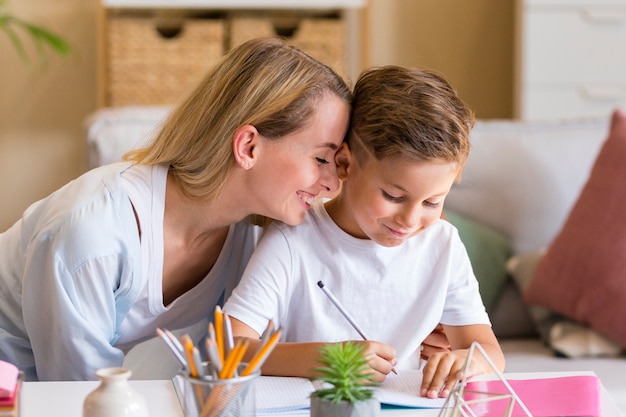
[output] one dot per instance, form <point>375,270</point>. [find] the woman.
<point>159,240</point>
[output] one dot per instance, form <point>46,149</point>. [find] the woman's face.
<point>295,170</point>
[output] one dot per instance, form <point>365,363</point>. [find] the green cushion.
<point>488,250</point>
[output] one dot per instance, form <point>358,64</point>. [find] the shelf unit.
<point>151,51</point>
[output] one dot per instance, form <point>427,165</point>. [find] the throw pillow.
<point>582,274</point>
<point>488,251</point>
<point>566,337</point>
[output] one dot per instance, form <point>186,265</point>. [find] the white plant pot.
<point>323,408</point>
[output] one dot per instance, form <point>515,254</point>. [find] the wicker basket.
<point>322,38</point>
<point>147,68</point>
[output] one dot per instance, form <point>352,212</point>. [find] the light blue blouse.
<point>70,270</point>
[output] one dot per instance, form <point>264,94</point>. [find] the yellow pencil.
<point>234,358</point>
<point>188,345</point>
<point>219,332</point>
<point>262,354</point>
<point>193,371</point>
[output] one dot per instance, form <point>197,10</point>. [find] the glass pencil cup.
<point>209,396</point>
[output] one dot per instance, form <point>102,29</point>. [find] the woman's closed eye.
<point>321,161</point>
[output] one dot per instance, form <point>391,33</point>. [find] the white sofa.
<point>520,182</point>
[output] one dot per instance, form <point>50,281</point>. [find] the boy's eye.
<point>429,204</point>
<point>389,197</point>
<point>321,161</point>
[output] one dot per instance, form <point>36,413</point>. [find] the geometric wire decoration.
<point>466,403</point>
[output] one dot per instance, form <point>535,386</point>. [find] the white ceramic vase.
<point>114,397</point>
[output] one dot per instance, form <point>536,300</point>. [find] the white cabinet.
<point>571,58</point>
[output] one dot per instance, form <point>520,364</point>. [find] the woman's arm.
<point>70,319</point>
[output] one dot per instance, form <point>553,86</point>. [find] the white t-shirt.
<point>397,295</point>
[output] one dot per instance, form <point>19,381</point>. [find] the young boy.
<point>379,246</point>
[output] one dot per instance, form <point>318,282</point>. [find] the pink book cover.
<point>8,379</point>
<point>544,397</point>
<point>9,403</point>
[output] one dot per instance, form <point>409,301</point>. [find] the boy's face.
<point>391,200</point>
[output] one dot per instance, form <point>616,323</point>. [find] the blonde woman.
<point>160,239</point>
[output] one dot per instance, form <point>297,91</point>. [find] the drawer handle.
<point>605,16</point>
<point>603,93</point>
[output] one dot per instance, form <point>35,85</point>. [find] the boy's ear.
<point>245,142</point>
<point>343,159</point>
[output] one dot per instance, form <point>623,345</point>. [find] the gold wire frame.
<point>457,405</point>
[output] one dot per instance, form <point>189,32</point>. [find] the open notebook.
<point>283,394</point>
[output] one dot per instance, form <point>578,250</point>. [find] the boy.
<point>379,246</point>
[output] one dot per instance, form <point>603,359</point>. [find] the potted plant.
<point>347,391</point>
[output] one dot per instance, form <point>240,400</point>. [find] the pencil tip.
<point>320,284</point>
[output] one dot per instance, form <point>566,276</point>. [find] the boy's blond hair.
<point>410,113</point>
<point>264,83</point>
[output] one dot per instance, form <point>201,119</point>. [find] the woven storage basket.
<point>322,38</point>
<point>146,68</point>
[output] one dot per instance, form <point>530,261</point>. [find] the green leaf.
<point>42,38</point>
<point>345,367</point>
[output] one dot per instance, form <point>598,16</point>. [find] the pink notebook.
<point>545,397</point>
<point>8,379</point>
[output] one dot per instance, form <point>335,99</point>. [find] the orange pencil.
<point>219,332</point>
<point>258,359</point>
<point>234,358</point>
<point>188,345</point>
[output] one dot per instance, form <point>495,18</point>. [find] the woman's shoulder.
<point>87,214</point>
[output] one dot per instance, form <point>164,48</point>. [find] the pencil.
<point>229,343</point>
<point>269,329</point>
<point>342,310</point>
<point>219,332</point>
<point>172,347</point>
<point>188,345</point>
<point>234,358</point>
<point>345,313</point>
<point>211,348</point>
<point>262,354</point>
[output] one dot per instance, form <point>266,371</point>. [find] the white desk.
<point>65,399</point>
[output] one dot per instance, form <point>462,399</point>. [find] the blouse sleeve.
<point>70,314</point>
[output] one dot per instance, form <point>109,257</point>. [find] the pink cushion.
<point>583,274</point>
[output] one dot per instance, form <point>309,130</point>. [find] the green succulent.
<point>346,369</point>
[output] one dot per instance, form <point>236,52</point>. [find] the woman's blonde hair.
<point>264,83</point>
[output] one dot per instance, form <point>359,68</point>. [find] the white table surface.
<point>65,399</point>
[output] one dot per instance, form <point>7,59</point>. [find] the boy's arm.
<point>299,359</point>
<point>436,341</point>
<point>443,370</point>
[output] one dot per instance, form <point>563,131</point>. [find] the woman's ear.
<point>245,146</point>
<point>343,159</point>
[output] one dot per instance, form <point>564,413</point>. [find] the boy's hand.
<point>443,371</point>
<point>381,358</point>
<point>435,342</point>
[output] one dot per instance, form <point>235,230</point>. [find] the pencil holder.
<point>209,396</point>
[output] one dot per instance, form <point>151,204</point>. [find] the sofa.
<point>516,207</point>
